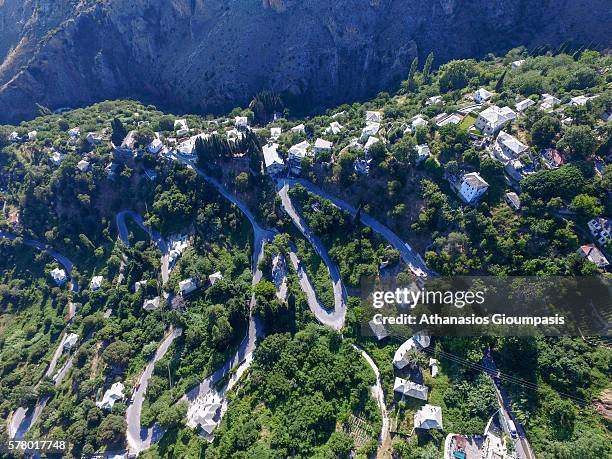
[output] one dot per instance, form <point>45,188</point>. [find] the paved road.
<point>336,317</point>
<point>61,259</point>
<point>521,444</point>
<point>153,234</point>
<point>384,439</point>
<point>259,234</point>
<point>409,256</point>
<point>140,438</point>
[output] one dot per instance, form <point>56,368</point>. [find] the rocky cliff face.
<point>200,55</point>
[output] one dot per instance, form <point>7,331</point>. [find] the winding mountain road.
<point>333,318</point>
<point>409,256</point>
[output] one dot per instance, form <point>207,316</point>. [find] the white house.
<point>579,100</point>
<point>435,100</point>
<point>139,284</point>
<point>508,147</point>
<point>433,367</point>
<point>517,64</point>
<point>296,154</point>
<point>151,304</point>
<point>334,128</point>
<point>59,276</point>
<point>549,102</point>
<point>601,229</point>
<point>96,282</point>
<point>70,340</point>
<point>83,165</point>
<point>155,146</point>
<point>410,389</point>
<point>32,135</point>
<point>300,128</point>
<point>181,128</point>
<point>473,186</point>
<point>482,95</point>
<point>524,105</point>
<point>56,157</point>
<point>369,130</point>
<point>373,117</point>
<point>187,286</point>
<point>275,133</point>
<point>272,160</point>
<point>513,200</point>
<point>241,122</point>
<point>415,123</point>
<point>428,417</point>
<point>423,152</point>
<point>13,136</point>
<point>74,132</point>
<point>204,412</point>
<point>322,146</point>
<point>111,396</point>
<point>401,358</point>
<point>594,255</point>
<point>213,278</point>
<point>492,119</point>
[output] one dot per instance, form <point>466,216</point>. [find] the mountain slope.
<point>202,55</point>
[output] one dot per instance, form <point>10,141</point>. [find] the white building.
<point>401,357</point>
<point>181,128</point>
<point>272,160</point>
<point>151,304</point>
<point>369,130</point>
<point>275,133</point>
<point>549,102</point>
<point>300,128</point>
<point>13,136</point>
<point>213,278</point>
<point>111,396</point>
<point>508,147</point>
<point>83,165</point>
<point>70,340</point>
<point>155,146</point>
<point>601,229</point>
<point>517,64</point>
<point>32,135</point>
<point>492,119</point>
<point>423,153</point>
<point>410,389</point>
<point>187,286</point>
<point>594,255</point>
<point>96,282</point>
<point>59,276</point>
<point>473,186</point>
<point>373,117</point>
<point>435,100</point>
<point>428,417</point>
<point>433,367</point>
<point>524,105</point>
<point>205,413</point>
<point>513,200</point>
<point>241,122</point>
<point>334,128</point>
<point>579,100</point>
<point>322,146</point>
<point>296,154</point>
<point>482,95</point>
<point>74,132</point>
<point>56,157</point>
<point>415,123</point>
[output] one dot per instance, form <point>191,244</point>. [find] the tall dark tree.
<point>427,68</point>
<point>264,105</point>
<point>119,131</point>
<point>500,82</point>
<point>412,73</point>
